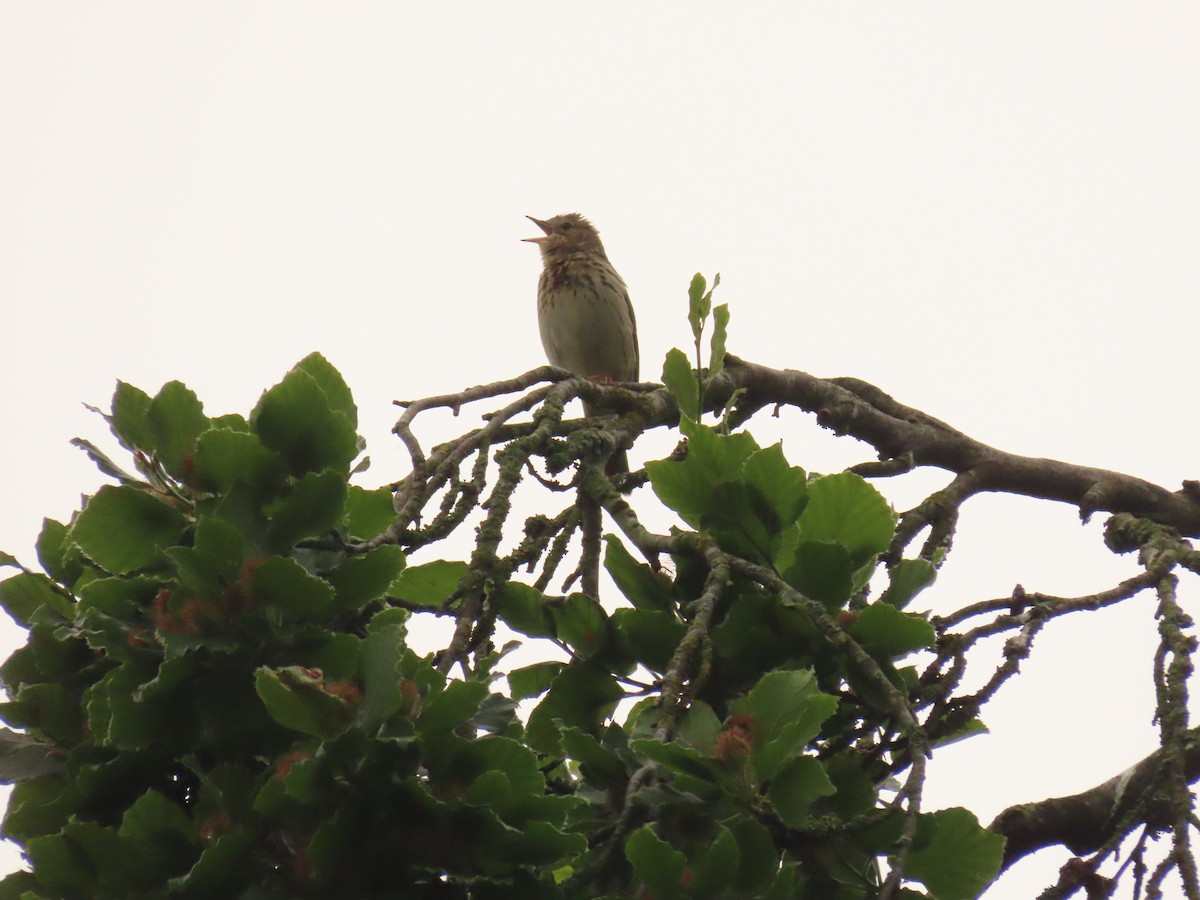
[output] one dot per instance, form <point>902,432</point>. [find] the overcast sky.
<point>989,211</point>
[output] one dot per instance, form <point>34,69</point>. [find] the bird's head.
<point>566,234</point>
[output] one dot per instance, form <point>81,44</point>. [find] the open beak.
<point>542,225</point>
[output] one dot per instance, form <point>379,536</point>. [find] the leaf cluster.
<point>217,696</point>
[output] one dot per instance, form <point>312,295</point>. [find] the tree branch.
<point>855,408</point>
<point>1084,822</point>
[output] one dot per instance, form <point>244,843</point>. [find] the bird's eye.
<point>565,226</point>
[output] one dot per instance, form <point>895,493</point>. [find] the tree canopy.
<point>218,697</point>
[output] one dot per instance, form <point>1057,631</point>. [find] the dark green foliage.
<point>219,699</point>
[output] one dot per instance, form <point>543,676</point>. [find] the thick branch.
<point>1085,822</point>
<point>852,407</point>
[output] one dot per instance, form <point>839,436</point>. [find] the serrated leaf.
<point>796,786</point>
<point>656,864</point>
<point>845,509</point>
<point>51,546</point>
<point>526,610</point>
<point>130,406</point>
<point>313,507</point>
<point>641,585</point>
<point>225,457</point>
<point>689,486</point>
<point>581,623</point>
<point>296,698</point>
<point>652,635</point>
<point>368,513</point>
<point>582,695</point>
<point>699,727</point>
<point>599,764</point>
<point>821,570</point>
<point>906,579</point>
<point>298,420</point>
<point>883,630</point>
<point>533,680</point>
<point>174,420</point>
<point>285,585</point>
<point>123,529</point>
<point>23,757</point>
<point>337,392</point>
<point>758,857</point>
<point>103,463</point>
<point>431,583</point>
<point>953,855</point>
<point>787,710</point>
<point>366,577</point>
<point>23,594</point>
<point>451,707</point>
<point>381,659</point>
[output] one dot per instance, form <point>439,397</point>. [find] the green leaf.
<point>821,570</point>
<point>758,857</point>
<point>451,707</point>
<point>699,303</point>
<point>534,680</point>
<point>381,659</point>
<point>337,392</point>
<point>953,855</point>
<point>678,759</point>
<point>130,407</point>
<point>151,814</point>
<point>23,757</point>
<point>368,513</point>
<point>656,864</point>
<point>599,764</point>
<point>174,421</point>
<point>51,551</point>
<point>845,509</point>
<point>641,585</point>
<point>526,610</point>
<point>969,730</point>
<point>699,727</point>
<point>297,419</point>
<point>123,529</point>
<point>361,579</point>
<point>908,578</point>
<point>195,574</point>
<point>581,623</point>
<point>680,379</point>
<point>25,593</point>
<point>313,508</point>
<point>652,635</point>
<point>717,866</point>
<point>285,585</point>
<point>220,545</point>
<point>582,696</point>
<point>787,710</point>
<point>784,487</point>
<point>717,345</point>
<point>221,869</point>
<point>296,698</point>
<point>225,457</point>
<point>796,786</point>
<point>689,486</point>
<point>884,631</point>
<point>430,584</point>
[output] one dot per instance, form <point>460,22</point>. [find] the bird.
<point>585,316</point>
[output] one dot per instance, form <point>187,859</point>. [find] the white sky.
<point>989,211</point>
